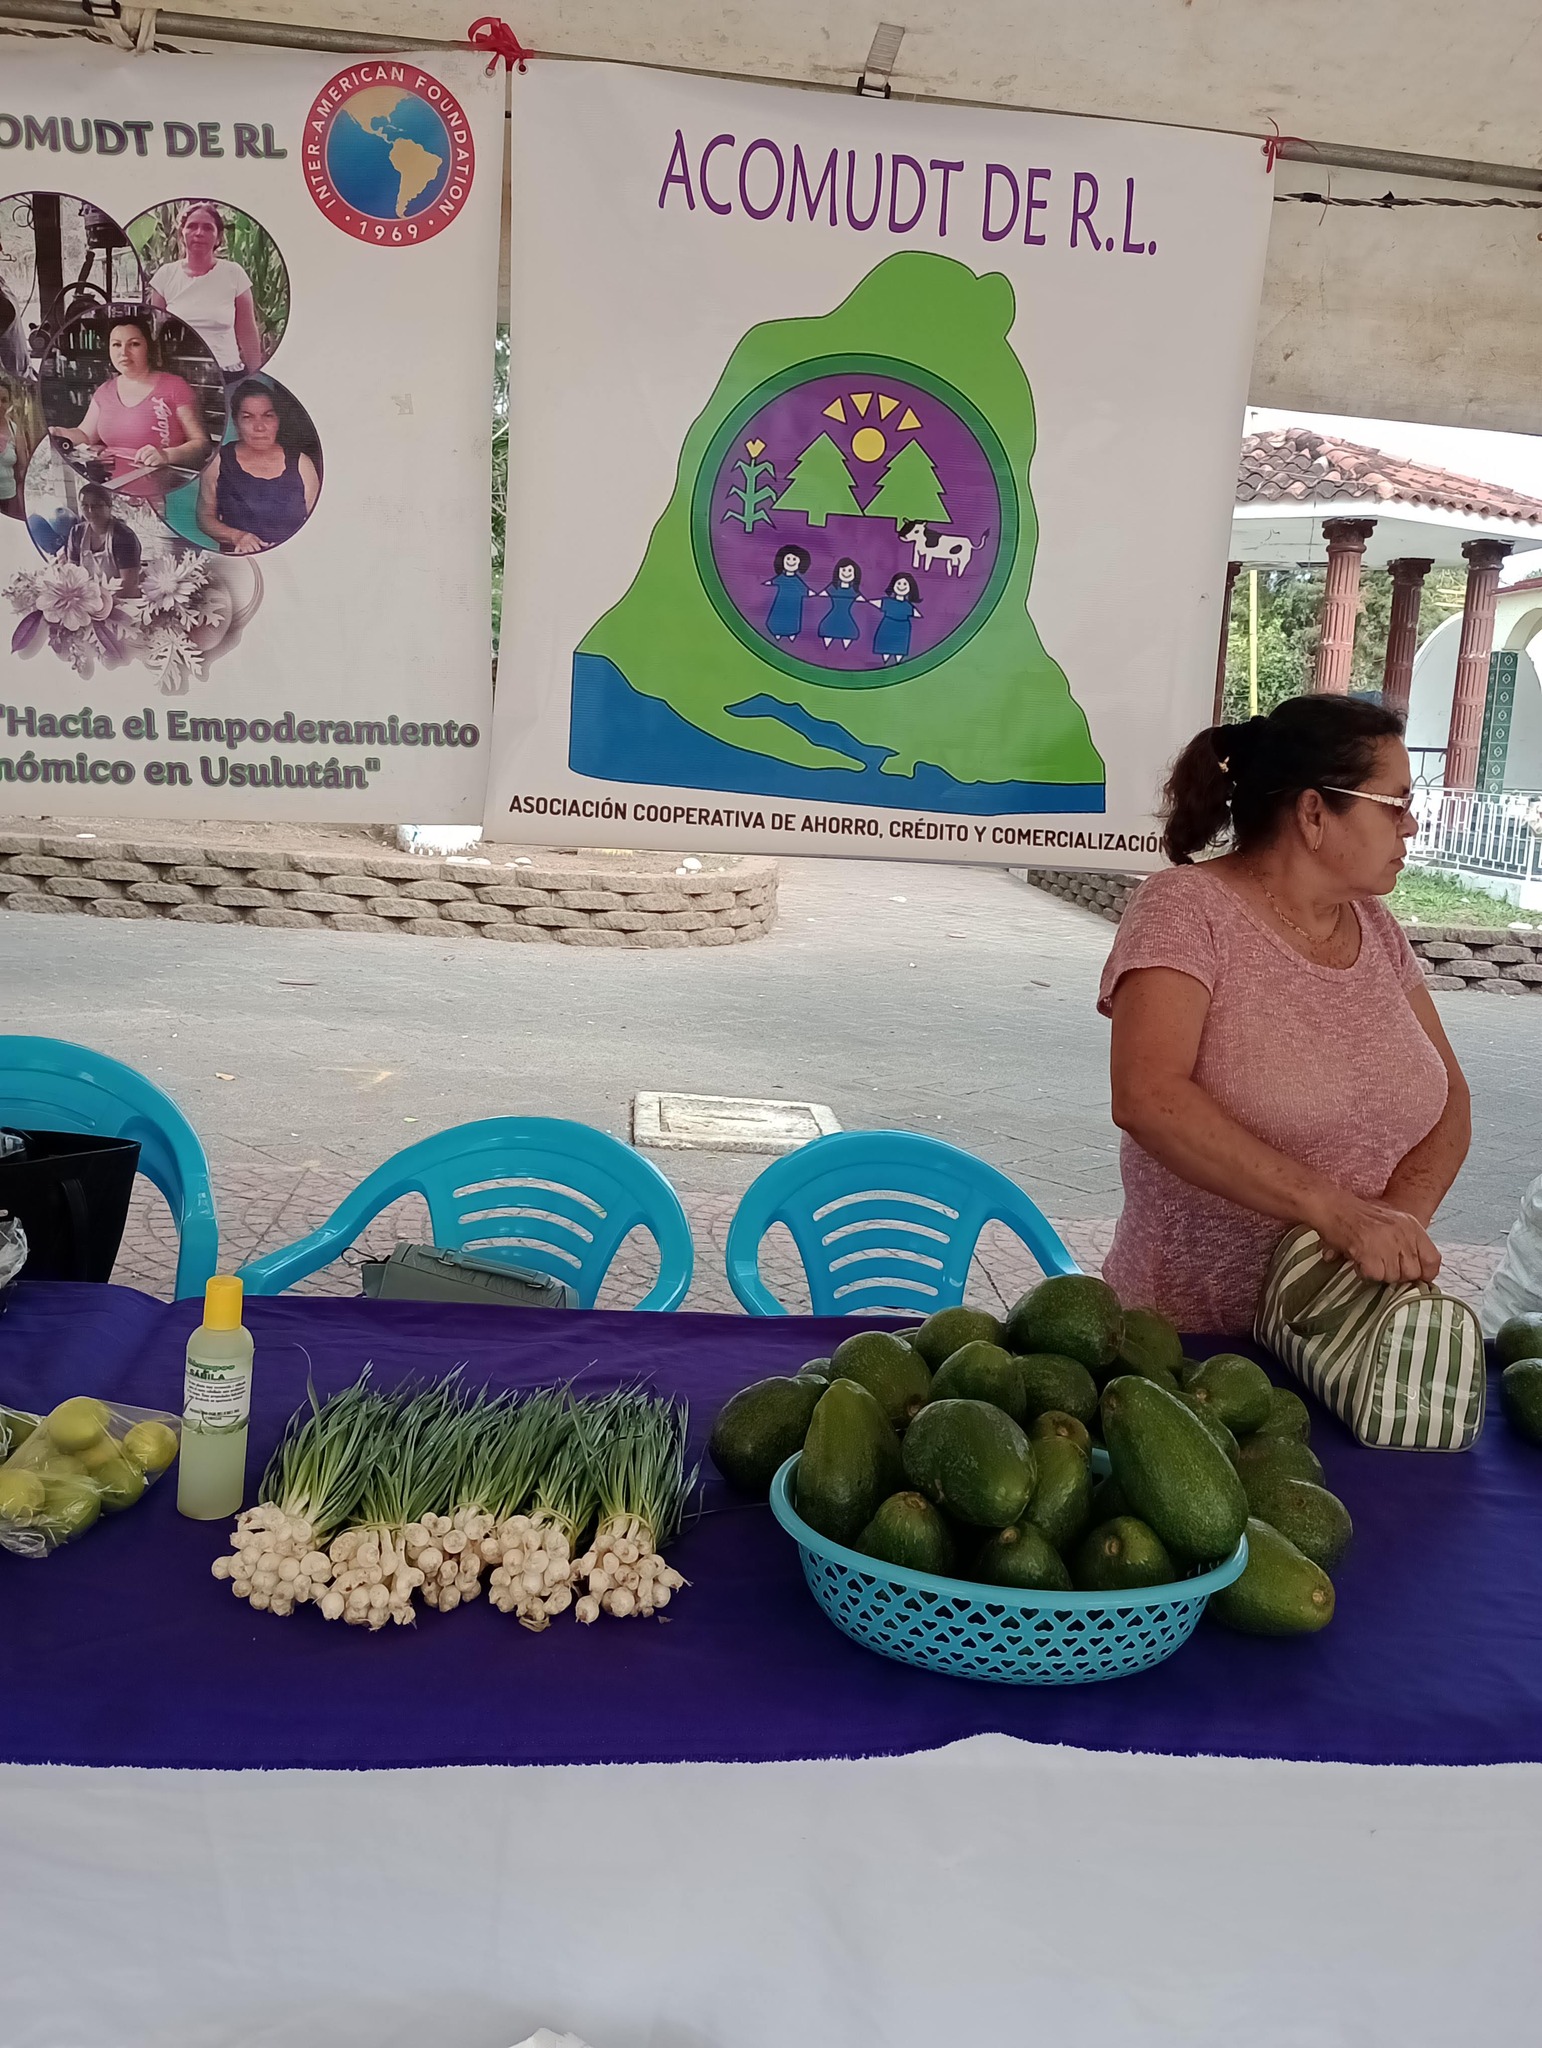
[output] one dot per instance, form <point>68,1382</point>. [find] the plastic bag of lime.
<point>65,1470</point>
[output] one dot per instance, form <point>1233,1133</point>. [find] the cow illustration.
<point>953,550</point>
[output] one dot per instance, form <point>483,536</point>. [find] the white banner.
<point>858,501</point>
<point>247,306</point>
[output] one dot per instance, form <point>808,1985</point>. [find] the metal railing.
<point>1486,833</point>
<point>1429,767</point>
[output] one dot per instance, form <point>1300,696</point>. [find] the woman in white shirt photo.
<point>210,292</point>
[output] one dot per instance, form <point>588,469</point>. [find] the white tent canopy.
<point>1426,311</point>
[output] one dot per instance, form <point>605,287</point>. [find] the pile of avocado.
<point>1519,1345</point>
<point>963,1448</point>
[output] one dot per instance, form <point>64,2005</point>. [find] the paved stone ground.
<point>951,1000</point>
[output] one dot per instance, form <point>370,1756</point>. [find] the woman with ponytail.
<point>1276,1058</point>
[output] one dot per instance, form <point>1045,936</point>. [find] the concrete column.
<point>1233,570</point>
<point>1483,558</point>
<point>1346,540</point>
<point>1408,576</point>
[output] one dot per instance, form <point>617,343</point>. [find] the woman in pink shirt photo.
<point>1276,1058</point>
<point>143,418</point>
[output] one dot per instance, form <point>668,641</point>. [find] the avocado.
<point>1288,1417</point>
<point>1520,1337</point>
<point>1022,1556</point>
<point>907,1530</point>
<point>758,1429</point>
<point>1062,1490</point>
<point>1108,1500</point>
<point>1053,1381</point>
<point>1316,1521</point>
<point>1157,1374</point>
<point>1152,1347</point>
<point>1263,1459</point>
<point>1280,1592</point>
<point>1072,1315</point>
<point>1175,1476</point>
<point>1121,1553</point>
<point>817,1368</point>
<point>1055,1422</point>
<point>970,1459</point>
<point>1214,1427</point>
<point>1233,1388</point>
<point>850,1462</point>
<point>978,1371</point>
<point>1520,1395</point>
<point>893,1374</point>
<point>950,1330</point>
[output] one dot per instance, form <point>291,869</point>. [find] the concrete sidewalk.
<point>949,1000</point>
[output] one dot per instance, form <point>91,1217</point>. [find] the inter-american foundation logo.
<point>388,153</point>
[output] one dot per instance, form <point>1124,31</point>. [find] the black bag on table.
<point>70,1193</point>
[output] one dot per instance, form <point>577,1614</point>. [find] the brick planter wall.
<point>1105,894</point>
<point>560,899</point>
<point>1455,956</point>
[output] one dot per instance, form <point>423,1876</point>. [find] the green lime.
<point>75,1425</point>
<point>21,1495</point>
<point>151,1445</point>
<point>70,1506</point>
<point>121,1483</point>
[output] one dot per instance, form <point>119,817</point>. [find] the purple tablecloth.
<point>123,1650</point>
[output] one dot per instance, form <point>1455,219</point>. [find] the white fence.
<point>1499,835</point>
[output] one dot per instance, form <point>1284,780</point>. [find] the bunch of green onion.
<point>413,1471</point>
<point>635,1449</point>
<point>375,1501</point>
<point>312,1485</point>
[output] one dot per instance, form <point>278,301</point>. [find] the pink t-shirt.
<point>1329,1065</point>
<point>152,423</point>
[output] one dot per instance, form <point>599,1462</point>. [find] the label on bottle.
<point>215,1397</point>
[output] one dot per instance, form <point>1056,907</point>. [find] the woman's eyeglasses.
<point>1402,804</point>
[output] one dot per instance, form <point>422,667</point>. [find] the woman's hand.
<point>1380,1242</point>
<point>247,544</point>
<point>151,458</point>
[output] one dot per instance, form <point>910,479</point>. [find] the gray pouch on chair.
<point>423,1272</point>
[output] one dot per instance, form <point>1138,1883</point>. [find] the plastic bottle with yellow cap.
<point>216,1400</point>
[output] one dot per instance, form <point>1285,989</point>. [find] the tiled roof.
<point>1297,467</point>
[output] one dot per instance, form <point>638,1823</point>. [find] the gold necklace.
<point>1300,930</point>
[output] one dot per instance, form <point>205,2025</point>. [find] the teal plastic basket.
<point>996,1632</point>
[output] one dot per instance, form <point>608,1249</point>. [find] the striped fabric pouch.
<point>1402,1364</point>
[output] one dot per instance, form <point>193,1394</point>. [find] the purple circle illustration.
<point>855,522</point>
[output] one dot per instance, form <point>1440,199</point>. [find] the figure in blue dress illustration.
<point>845,587</point>
<point>784,621</point>
<point>899,607</point>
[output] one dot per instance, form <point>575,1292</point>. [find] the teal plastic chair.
<point>885,1222</point>
<point>47,1084</point>
<point>525,1190</point>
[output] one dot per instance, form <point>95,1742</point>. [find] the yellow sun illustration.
<point>867,444</point>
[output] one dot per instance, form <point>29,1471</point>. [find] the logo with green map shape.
<point>834,604</point>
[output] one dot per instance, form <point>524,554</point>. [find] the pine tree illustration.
<point>910,489</point>
<point>820,484</point>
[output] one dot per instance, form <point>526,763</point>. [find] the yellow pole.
<point>1252,643</point>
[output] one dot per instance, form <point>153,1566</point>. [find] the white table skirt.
<point>990,1893</point>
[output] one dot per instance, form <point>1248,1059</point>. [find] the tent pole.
<point>214,28</point>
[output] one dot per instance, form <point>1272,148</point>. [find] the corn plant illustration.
<point>752,496</point>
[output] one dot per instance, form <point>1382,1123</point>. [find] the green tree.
<point>1289,626</point>
<point>820,484</point>
<point>909,490</point>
